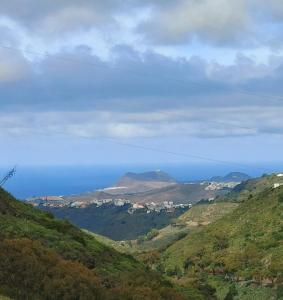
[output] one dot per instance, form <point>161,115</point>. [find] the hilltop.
<point>231,177</point>
<point>252,187</point>
<point>141,182</point>
<point>147,176</point>
<point>45,258</point>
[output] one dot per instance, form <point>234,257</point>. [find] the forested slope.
<point>44,258</point>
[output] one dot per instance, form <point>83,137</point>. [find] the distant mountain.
<point>178,193</point>
<point>141,182</point>
<point>231,177</point>
<point>148,176</point>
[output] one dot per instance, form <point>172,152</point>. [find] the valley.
<point>116,222</point>
<point>139,201</point>
<point>230,246</point>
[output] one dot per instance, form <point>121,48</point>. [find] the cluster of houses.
<point>48,201</point>
<point>168,206</point>
<point>215,186</point>
<point>278,184</point>
<point>99,202</point>
<point>59,202</point>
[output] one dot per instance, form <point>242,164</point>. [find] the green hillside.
<point>205,214</point>
<point>121,246</point>
<point>251,187</point>
<point>44,258</point>
<point>198,215</point>
<point>240,253</point>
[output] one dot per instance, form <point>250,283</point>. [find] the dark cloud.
<point>133,81</point>
<point>141,95</point>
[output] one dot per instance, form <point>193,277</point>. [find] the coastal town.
<point>118,200</point>
<point>60,202</point>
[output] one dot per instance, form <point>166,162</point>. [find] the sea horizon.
<point>32,181</point>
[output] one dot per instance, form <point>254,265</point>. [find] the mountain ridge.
<point>149,176</point>
<point>231,177</point>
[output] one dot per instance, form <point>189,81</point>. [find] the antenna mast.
<point>8,176</point>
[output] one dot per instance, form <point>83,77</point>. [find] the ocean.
<point>67,180</point>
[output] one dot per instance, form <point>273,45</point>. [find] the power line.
<point>174,153</point>
<point>180,154</point>
<point>149,148</point>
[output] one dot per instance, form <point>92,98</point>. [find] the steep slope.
<point>244,246</point>
<point>44,258</point>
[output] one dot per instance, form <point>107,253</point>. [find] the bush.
<point>280,198</point>
<point>30,271</point>
<point>221,242</point>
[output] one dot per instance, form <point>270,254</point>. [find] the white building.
<point>277,185</point>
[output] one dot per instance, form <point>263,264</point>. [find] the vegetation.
<point>243,247</point>
<point>115,222</point>
<point>45,258</point>
<point>251,188</point>
<point>198,215</point>
<point>231,249</point>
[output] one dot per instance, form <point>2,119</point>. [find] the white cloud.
<point>203,123</point>
<point>218,21</point>
<point>231,23</point>
<point>13,67</point>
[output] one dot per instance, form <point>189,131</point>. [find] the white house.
<point>277,185</point>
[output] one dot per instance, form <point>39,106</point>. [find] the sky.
<point>130,81</point>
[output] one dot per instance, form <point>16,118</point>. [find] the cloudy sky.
<point>128,81</point>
